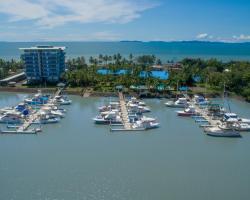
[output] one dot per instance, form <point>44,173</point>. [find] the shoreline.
<point>79,92</point>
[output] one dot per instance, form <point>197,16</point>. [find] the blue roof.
<point>197,78</point>
<point>121,72</point>
<point>183,88</point>
<point>103,71</point>
<point>162,75</point>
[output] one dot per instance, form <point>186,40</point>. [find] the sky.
<point>115,20</point>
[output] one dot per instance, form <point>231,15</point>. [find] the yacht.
<point>145,124</point>
<point>223,130</point>
<point>111,106</point>
<point>11,118</point>
<point>241,127</point>
<point>37,99</point>
<point>134,108</point>
<point>50,111</point>
<point>62,100</point>
<point>110,117</point>
<point>200,100</point>
<point>180,103</point>
<point>46,119</point>
<point>134,100</point>
<point>232,117</point>
<point>190,111</point>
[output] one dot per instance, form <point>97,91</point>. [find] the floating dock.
<point>23,129</point>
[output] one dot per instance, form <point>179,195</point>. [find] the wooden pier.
<point>124,112</point>
<point>204,114</point>
<point>34,116</point>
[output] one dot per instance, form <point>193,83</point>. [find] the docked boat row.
<point>127,114</point>
<point>36,110</point>
<point>213,118</point>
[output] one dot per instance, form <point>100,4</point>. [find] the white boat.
<point>11,118</point>
<point>134,100</point>
<point>232,117</point>
<point>200,100</point>
<point>142,124</point>
<point>62,100</point>
<point>241,127</point>
<point>180,103</point>
<point>225,129</point>
<point>109,107</point>
<point>46,121</point>
<point>134,108</point>
<point>190,111</point>
<point>50,111</point>
<point>108,118</point>
<point>218,132</point>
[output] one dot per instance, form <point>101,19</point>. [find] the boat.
<point>46,121</point>
<point>11,118</point>
<point>241,127</point>
<point>109,107</point>
<point>218,132</point>
<point>232,117</point>
<point>145,124</point>
<point>190,111</point>
<point>134,100</point>
<point>62,100</point>
<point>225,129</point>
<point>134,108</point>
<point>200,100</point>
<point>45,118</point>
<point>110,117</point>
<point>50,111</point>
<point>37,99</point>
<point>180,103</point>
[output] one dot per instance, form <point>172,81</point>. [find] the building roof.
<point>12,77</point>
<point>43,47</point>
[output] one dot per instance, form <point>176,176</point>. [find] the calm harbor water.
<point>163,50</point>
<point>77,159</point>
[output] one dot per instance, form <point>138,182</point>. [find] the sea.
<point>166,51</point>
<point>79,160</point>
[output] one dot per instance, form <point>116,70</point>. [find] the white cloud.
<point>51,13</point>
<point>202,36</point>
<point>241,37</point>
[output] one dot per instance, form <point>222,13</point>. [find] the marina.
<point>97,164</point>
<point>40,109</point>
<point>213,118</point>
<point>127,114</point>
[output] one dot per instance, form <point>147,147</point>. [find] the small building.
<point>43,63</point>
<point>14,78</point>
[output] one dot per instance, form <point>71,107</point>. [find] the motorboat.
<point>241,127</point>
<point>180,103</point>
<point>134,100</point>
<point>108,118</point>
<point>37,99</point>
<point>190,111</point>
<point>232,117</point>
<point>200,100</point>
<point>53,112</point>
<point>225,129</point>
<point>62,100</point>
<point>109,107</point>
<point>134,108</point>
<point>46,119</point>
<point>11,118</point>
<point>145,124</point>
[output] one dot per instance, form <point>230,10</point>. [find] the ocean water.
<point>163,50</point>
<point>79,160</point>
